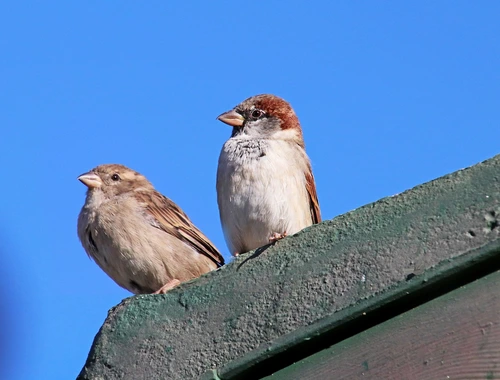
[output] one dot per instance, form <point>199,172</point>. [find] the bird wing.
<point>170,218</point>
<point>313,196</point>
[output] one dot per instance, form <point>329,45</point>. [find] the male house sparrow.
<point>265,185</point>
<point>139,237</point>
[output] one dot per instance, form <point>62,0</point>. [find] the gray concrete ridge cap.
<point>266,295</point>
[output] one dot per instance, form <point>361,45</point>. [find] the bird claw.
<point>168,286</point>
<point>276,236</point>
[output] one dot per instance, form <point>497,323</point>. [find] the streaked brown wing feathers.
<point>313,197</point>
<point>175,222</point>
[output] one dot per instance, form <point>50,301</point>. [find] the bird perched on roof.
<point>139,237</point>
<point>265,184</point>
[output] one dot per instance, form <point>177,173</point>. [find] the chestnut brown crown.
<point>266,113</point>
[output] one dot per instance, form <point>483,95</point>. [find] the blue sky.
<point>390,95</point>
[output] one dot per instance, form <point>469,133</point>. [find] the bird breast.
<point>134,253</point>
<point>261,189</point>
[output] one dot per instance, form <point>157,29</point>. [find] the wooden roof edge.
<point>364,314</point>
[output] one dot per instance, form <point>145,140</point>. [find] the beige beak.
<point>91,180</point>
<point>232,118</point>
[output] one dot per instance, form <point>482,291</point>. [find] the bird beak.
<point>232,118</point>
<point>91,180</point>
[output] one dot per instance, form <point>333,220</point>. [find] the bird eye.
<point>257,113</point>
<point>115,177</point>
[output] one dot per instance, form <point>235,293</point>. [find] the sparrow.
<point>137,236</point>
<point>265,185</point>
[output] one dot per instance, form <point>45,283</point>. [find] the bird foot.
<point>276,236</point>
<point>168,286</point>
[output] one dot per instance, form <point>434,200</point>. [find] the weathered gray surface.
<point>258,298</point>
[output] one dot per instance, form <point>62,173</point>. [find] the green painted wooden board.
<point>456,336</point>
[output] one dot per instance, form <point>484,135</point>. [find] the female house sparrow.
<point>139,237</point>
<point>265,185</point>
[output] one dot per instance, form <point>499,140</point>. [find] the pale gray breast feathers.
<point>261,190</point>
